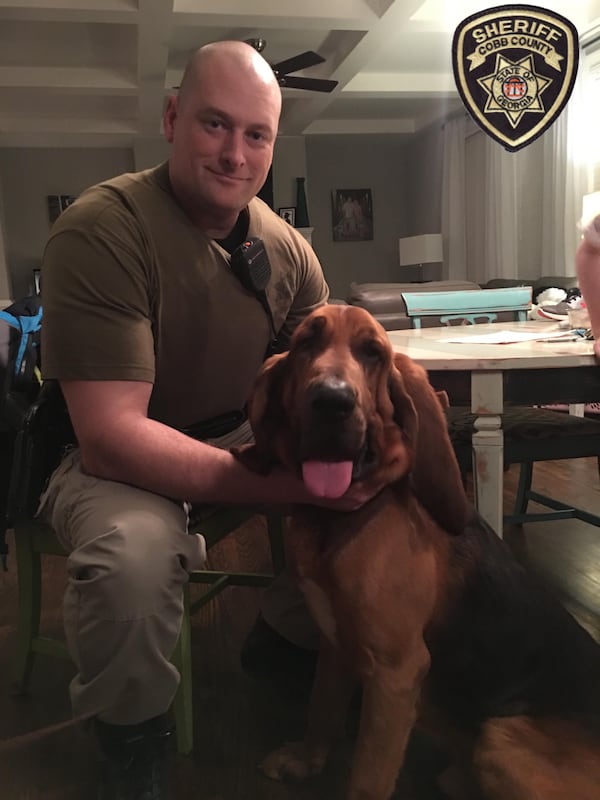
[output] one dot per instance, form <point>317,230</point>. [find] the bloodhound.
<point>415,596</point>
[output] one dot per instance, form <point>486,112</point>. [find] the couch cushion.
<point>507,283</point>
<point>386,298</point>
<point>538,284</point>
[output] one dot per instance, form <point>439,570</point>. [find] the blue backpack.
<point>20,384</point>
<point>20,374</point>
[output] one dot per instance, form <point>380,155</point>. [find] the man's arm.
<point>119,442</point>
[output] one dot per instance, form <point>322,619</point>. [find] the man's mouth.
<point>226,177</point>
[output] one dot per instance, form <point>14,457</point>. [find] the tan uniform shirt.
<point>133,291</point>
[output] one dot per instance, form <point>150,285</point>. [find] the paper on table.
<point>510,337</point>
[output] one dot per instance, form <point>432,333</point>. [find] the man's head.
<point>222,127</point>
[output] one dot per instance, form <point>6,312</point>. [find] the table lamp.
<point>419,251</point>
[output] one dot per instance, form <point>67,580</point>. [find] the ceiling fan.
<point>301,61</point>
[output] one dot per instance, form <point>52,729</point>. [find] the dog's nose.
<point>333,397</point>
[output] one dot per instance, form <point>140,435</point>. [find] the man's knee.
<point>134,568</point>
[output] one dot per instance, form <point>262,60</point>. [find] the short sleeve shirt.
<point>133,291</point>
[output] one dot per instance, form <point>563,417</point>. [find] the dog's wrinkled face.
<point>341,406</point>
<point>327,406</point>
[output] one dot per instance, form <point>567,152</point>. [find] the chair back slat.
<point>477,305</point>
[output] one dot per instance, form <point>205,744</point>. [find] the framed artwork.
<point>288,214</point>
<point>352,215</point>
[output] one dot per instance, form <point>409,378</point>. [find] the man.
<point>149,332</point>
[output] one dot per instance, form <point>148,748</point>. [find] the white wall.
<point>403,182</point>
<point>424,164</point>
<point>289,163</point>
<point>377,163</point>
<point>6,292</point>
<point>27,176</point>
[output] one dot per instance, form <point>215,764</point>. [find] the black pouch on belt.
<point>216,426</point>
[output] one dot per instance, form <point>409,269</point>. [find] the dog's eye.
<point>310,336</point>
<point>369,350</point>
<point>306,342</point>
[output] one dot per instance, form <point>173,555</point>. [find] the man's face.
<point>222,134</point>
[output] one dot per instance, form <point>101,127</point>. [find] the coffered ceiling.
<point>96,72</point>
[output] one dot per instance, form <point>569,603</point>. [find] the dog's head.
<point>341,405</point>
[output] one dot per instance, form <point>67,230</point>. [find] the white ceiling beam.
<point>290,15</point>
<point>94,80</point>
<point>272,22</point>
<point>406,82</point>
<point>87,125</point>
<point>380,33</point>
<point>119,11</point>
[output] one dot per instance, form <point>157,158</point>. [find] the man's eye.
<point>256,136</point>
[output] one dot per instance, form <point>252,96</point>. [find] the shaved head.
<point>230,55</point>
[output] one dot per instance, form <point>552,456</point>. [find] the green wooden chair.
<point>37,450</point>
<point>530,434</point>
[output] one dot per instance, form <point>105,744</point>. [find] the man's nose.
<point>233,149</point>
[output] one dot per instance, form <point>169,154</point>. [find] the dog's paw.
<point>291,762</point>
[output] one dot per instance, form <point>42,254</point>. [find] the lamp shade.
<point>423,249</point>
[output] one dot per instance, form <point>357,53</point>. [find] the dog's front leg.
<point>389,710</point>
<point>330,698</point>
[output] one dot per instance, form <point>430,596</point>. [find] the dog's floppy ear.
<point>265,413</point>
<point>435,475</point>
<point>403,411</point>
<point>442,396</point>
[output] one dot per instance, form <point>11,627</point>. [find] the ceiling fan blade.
<point>313,84</point>
<point>301,61</point>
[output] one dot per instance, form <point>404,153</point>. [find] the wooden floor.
<point>237,721</point>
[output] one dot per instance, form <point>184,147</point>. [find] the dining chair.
<point>471,307</point>
<point>530,434</point>
<point>38,446</point>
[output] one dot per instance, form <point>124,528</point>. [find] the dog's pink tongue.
<point>327,478</point>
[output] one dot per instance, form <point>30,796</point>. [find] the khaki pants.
<point>130,554</point>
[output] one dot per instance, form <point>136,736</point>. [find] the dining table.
<point>493,365</point>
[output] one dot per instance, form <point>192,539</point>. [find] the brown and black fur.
<point>416,598</point>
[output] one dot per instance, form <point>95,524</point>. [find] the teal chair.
<point>530,434</point>
<point>37,449</point>
<point>470,307</point>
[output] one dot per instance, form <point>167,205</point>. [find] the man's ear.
<point>169,116</point>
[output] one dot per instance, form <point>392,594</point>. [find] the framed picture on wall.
<point>288,214</point>
<point>352,215</point>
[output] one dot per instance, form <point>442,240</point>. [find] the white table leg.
<point>488,446</point>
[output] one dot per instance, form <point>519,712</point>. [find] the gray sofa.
<point>385,302</point>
